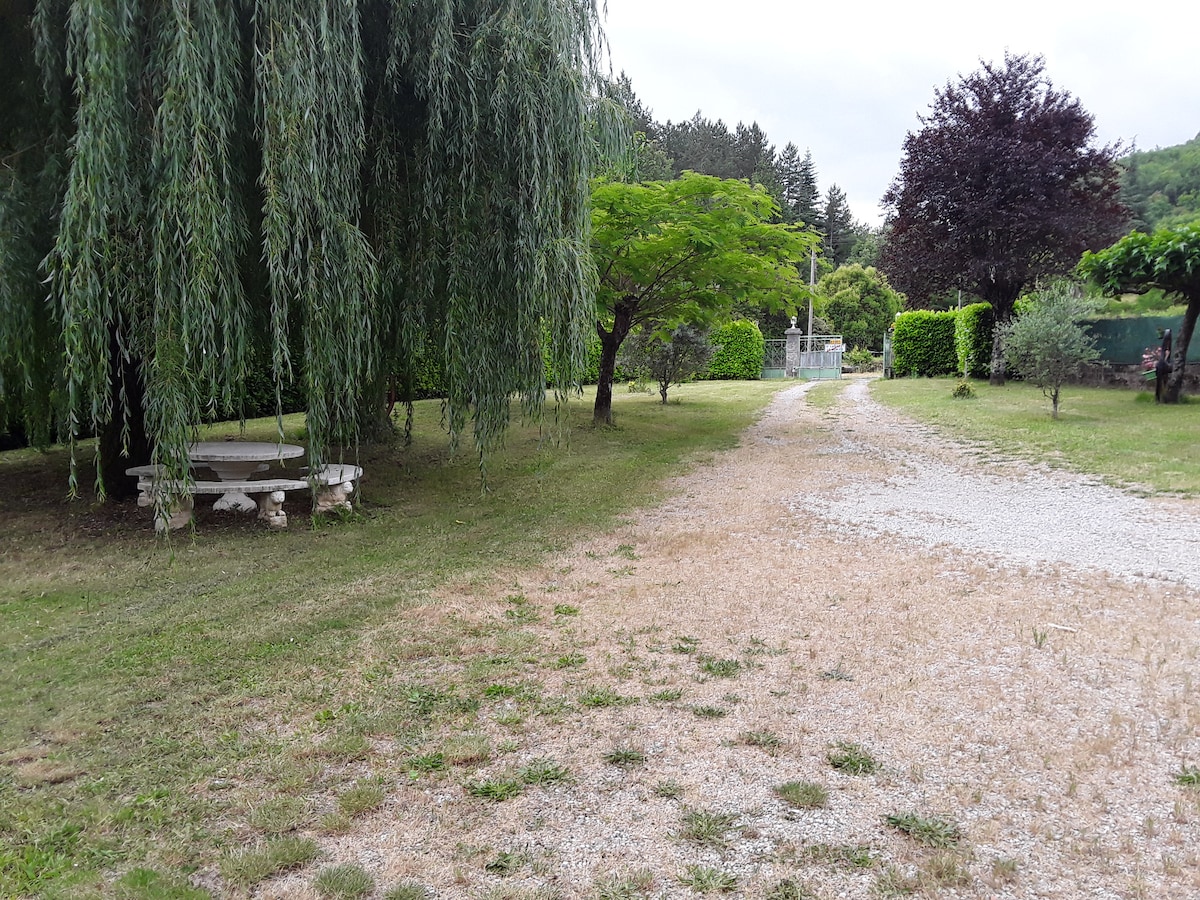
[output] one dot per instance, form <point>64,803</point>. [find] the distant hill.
<point>1162,187</point>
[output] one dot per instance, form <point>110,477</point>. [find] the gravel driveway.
<point>842,579</point>
<point>934,493</point>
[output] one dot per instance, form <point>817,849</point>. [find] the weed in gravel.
<point>335,823</point>
<point>522,615</point>
<point>466,750</point>
<point>710,712</point>
<point>944,869</point>
<point>708,880</point>
<point>1004,870</point>
<point>513,892</point>
<point>719,668</point>
<point>764,740</point>
<point>570,661</point>
<point>853,759</point>
<point>625,757</point>
<point>1188,776</point>
<point>408,890</point>
<point>495,789</point>
<point>1039,637</point>
<point>891,882</point>
<point>837,673</point>
<point>426,762</point>
<point>932,831</point>
<point>363,797</point>
<point>685,644</point>
<point>803,794</point>
<point>789,889</point>
<point>500,691</point>
<point>707,828</point>
<point>344,882</point>
<point>668,696</point>
<point>601,697</point>
<point>634,885</point>
<point>278,815</point>
<point>248,866</point>
<point>343,746</point>
<point>506,863</point>
<point>668,789</point>
<point>850,855</point>
<point>545,771</point>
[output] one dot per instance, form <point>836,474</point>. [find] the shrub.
<point>973,330</point>
<point>923,343</point>
<point>862,360</point>
<point>739,354</point>
<point>668,359</point>
<point>858,303</point>
<point>963,391</point>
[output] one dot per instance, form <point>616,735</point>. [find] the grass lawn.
<point>166,708</point>
<point>1117,434</point>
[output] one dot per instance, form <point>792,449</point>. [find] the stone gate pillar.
<point>795,344</point>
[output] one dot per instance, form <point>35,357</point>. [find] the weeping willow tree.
<point>328,189</point>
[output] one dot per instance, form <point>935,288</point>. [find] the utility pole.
<point>812,283</point>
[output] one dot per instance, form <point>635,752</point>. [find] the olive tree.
<point>1046,344</point>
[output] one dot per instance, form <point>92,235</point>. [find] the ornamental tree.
<point>1169,260</point>
<point>319,190</point>
<point>1001,186</point>
<point>1046,344</point>
<point>678,251</point>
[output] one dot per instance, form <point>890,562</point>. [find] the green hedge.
<point>973,330</point>
<point>740,351</point>
<point>923,343</point>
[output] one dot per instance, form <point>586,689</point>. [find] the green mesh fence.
<point>1123,341</point>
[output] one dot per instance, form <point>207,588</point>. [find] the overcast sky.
<point>848,80</point>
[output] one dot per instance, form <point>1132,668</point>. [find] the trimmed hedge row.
<point>740,351</point>
<point>923,343</point>
<point>973,330</point>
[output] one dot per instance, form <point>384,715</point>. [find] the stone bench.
<point>332,486</point>
<point>268,494</point>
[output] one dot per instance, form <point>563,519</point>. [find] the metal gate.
<point>774,359</point>
<point>820,356</point>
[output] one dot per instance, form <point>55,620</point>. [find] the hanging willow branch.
<point>338,190</point>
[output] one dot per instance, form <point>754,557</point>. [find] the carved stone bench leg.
<point>270,509</point>
<point>179,513</point>
<point>334,496</point>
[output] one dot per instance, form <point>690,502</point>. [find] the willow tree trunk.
<point>118,452</point>
<point>610,343</point>
<point>1179,363</point>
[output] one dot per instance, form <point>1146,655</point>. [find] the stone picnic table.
<point>235,464</point>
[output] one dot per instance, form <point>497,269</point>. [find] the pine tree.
<point>841,231</point>
<point>808,205</point>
